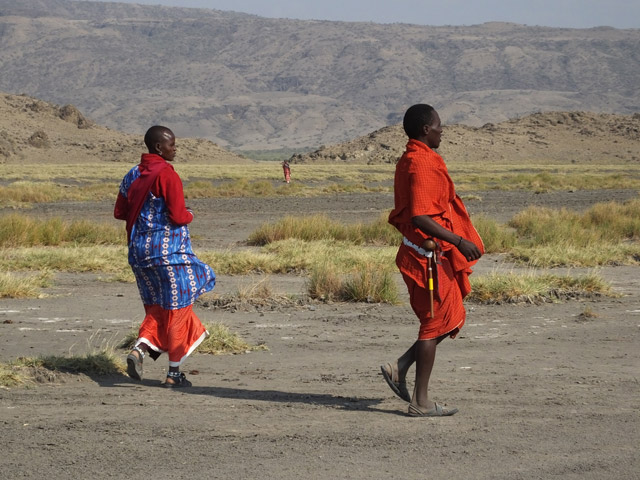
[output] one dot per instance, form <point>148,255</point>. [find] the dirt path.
<point>542,391</point>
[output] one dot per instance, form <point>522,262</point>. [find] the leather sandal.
<point>399,388</point>
<point>180,381</point>
<point>437,411</point>
<point>134,363</point>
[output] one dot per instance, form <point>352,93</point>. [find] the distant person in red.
<point>169,275</point>
<point>287,171</point>
<point>427,208</point>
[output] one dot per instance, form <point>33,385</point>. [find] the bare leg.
<point>409,357</point>
<point>405,361</point>
<point>425,351</point>
<point>395,374</point>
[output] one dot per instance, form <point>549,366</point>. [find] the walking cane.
<point>430,245</point>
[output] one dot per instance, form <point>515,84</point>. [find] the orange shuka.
<point>422,186</point>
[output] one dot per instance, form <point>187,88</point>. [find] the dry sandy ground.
<point>542,392</point>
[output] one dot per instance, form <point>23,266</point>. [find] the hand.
<point>469,249</point>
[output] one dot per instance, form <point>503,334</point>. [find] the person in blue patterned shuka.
<point>169,275</point>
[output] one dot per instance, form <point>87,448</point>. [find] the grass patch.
<point>260,290</point>
<point>344,257</point>
<point>30,370</point>
<point>295,256</point>
<point>104,259</point>
<point>605,234</point>
<point>222,341</point>
<point>18,286</point>
<point>22,193</point>
<point>53,183</point>
<point>22,231</point>
<point>321,227</point>
<point>568,255</point>
<point>496,288</point>
<point>543,179</point>
<point>603,223</point>
<point>370,284</point>
<point>251,262</point>
<point>496,237</point>
<point>287,256</point>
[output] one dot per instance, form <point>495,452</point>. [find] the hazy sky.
<point>552,13</point>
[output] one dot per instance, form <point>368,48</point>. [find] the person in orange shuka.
<point>287,171</point>
<point>428,208</point>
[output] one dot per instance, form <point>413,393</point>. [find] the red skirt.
<point>449,313</point>
<point>176,332</point>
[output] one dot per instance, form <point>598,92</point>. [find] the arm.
<point>169,187</point>
<point>122,207</point>
<point>430,227</point>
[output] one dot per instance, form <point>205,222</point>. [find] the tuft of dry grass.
<point>31,370</point>
<point>321,227</point>
<point>369,284</point>
<point>106,259</point>
<point>22,231</point>
<point>497,238</point>
<point>222,341</point>
<point>22,193</point>
<point>532,288</point>
<point>23,286</point>
<point>260,290</point>
<point>606,233</point>
<point>604,223</point>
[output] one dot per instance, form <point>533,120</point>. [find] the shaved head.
<point>416,118</point>
<point>156,134</point>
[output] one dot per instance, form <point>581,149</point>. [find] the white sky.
<point>551,13</point>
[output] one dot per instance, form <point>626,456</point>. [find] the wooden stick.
<point>430,260</point>
<point>430,245</point>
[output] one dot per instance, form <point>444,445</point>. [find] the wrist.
<point>459,241</point>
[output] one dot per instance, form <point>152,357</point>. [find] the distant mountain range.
<point>33,131</point>
<point>249,83</point>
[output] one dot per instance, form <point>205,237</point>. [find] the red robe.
<point>422,186</point>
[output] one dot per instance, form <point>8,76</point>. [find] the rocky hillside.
<point>34,131</point>
<point>541,138</point>
<point>247,82</point>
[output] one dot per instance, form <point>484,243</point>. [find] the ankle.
<point>139,351</point>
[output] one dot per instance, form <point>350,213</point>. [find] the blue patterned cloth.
<point>167,271</point>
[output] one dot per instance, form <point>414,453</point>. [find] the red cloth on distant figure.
<point>287,171</point>
<point>422,186</point>
<point>178,332</point>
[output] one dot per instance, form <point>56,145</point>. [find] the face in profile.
<point>434,132</point>
<point>166,147</point>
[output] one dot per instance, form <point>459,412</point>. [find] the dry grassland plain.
<point>544,371</point>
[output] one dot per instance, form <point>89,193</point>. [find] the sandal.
<point>134,363</point>
<point>436,411</point>
<point>399,388</point>
<point>180,380</point>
